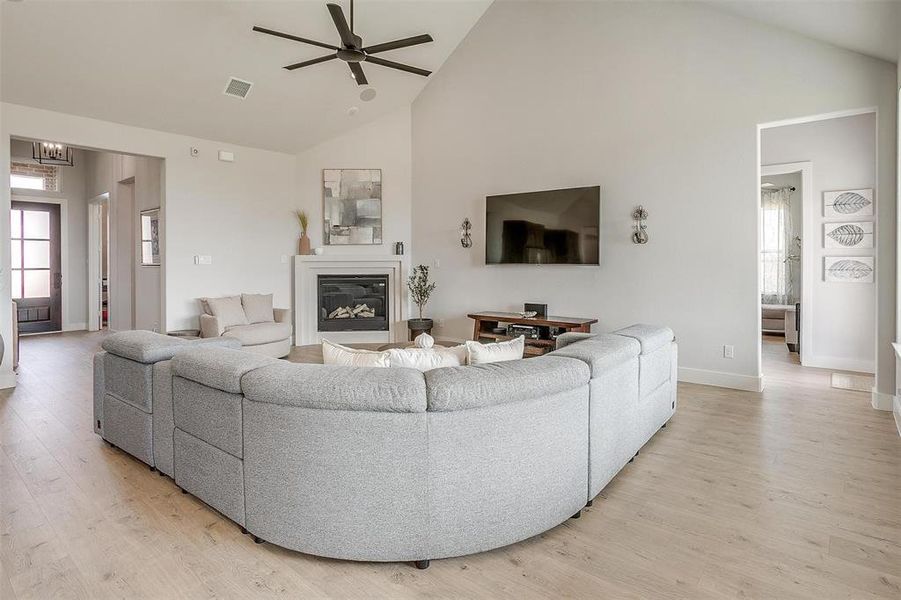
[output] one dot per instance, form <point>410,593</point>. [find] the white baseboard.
<point>75,326</point>
<point>840,364</point>
<point>881,401</point>
<point>747,383</point>
<point>897,412</point>
<point>7,379</point>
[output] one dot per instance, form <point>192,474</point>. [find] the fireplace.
<point>353,302</point>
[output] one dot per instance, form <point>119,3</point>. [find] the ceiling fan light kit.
<point>351,50</point>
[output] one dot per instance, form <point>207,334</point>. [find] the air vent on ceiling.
<point>237,88</point>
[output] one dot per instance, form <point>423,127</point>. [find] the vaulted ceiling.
<point>871,27</point>
<point>164,65</point>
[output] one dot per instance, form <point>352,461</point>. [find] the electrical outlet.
<point>728,351</point>
<point>439,322</point>
<point>436,263</point>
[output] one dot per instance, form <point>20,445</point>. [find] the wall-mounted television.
<point>554,227</point>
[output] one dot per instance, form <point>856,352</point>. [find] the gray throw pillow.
<point>258,307</point>
<point>228,311</point>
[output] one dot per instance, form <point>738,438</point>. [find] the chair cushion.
<point>149,347</point>
<point>258,308</point>
<point>228,310</point>
<point>259,333</point>
<point>478,386</point>
<point>650,337</point>
<point>219,368</point>
<point>337,387</point>
<point>601,352</point>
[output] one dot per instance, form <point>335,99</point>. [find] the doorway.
<point>827,270</point>
<point>99,288</point>
<point>35,261</point>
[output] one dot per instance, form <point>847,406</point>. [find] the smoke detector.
<point>237,88</point>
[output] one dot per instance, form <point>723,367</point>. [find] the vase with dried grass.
<point>303,245</point>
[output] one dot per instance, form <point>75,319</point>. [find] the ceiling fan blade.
<point>294,38</point>
<point>395,65</point>
<point>410,41</point>
<point>359,75</point>
<point>347,36</point>
<point>314,61</point>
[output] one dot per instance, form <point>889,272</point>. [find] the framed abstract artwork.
<point>352,206</point>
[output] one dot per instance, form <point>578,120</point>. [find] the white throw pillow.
<point>228,311</point>
<point>258,307</point>
<point>480,354</point>
<point>336,354</point>
<point>424,359</point>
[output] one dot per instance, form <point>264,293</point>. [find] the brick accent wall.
<point>50,173</point>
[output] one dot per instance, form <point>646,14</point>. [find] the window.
<point>32,176</point>
<point>30,253</point>
<point>26,182</point>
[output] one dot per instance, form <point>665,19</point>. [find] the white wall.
<point>73,240</point>
<point>659,104</point>
<point>383,144</point>
<point>843,156</point>
<point>133,183</point>
<point>239,213</point>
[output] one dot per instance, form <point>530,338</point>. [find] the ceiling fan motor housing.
<point>351,55</point>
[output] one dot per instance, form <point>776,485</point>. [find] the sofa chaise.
<point>379,464</point>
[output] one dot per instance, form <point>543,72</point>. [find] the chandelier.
<point>50,153</point>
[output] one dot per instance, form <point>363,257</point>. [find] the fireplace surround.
<point>308,269</point>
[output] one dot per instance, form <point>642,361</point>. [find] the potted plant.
<point>303,245</point>
<point>420,290</point>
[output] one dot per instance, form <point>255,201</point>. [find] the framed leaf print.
<point>849,269</point>
<point>848,203</point>
<point>848,235</point>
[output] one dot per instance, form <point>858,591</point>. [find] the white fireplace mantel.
<point>306,270</point>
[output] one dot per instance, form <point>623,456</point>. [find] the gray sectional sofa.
<point>396,465</point>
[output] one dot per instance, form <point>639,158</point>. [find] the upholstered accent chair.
<point>250,319</point>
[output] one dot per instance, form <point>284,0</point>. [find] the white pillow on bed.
<point>481,354</point>
<point>336,354</point>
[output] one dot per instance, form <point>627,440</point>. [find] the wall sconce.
<point>465,236</point>
<point>640,235</point>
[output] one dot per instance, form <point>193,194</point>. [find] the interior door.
<point>35,264</point>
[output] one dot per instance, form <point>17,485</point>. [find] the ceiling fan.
<point>352,50</point>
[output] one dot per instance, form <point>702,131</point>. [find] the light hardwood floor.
<point>793,493</point>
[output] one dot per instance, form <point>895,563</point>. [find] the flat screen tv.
<point>555,227</point>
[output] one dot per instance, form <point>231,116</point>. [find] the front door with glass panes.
<point>35,262</point>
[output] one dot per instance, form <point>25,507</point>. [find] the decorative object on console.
<point>528,314</point>
<point>303,245</point>
<point>640,235</point>
<point>318,250</point>
<point>352,206</point>
<point>466,233</point>
<point>848,235</point>
<point>420,291</point>
<point>856,269</point>
<point>842,203</point>
<point>539,309</point>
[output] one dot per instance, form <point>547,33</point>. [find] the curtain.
<point>777,247</point>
